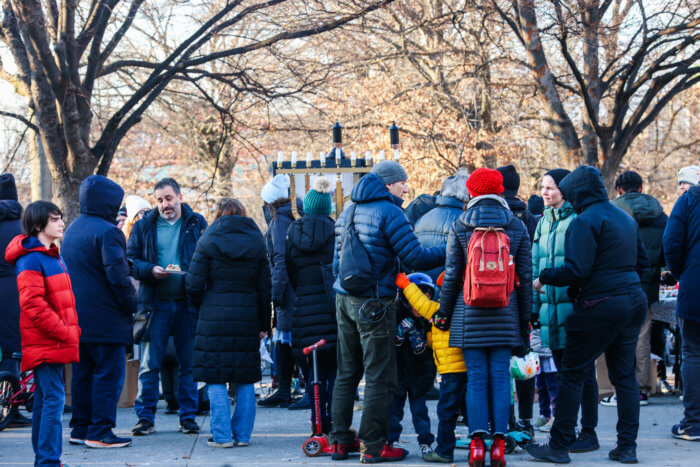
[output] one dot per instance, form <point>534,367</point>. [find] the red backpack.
<point>489,278</point>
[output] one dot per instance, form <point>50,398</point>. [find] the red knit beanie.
<point>485,181</point>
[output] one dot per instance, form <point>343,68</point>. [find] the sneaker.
<point>242,444</point>
<point>19,421</point>
<point>623,456</point>
<point>547,427</point>
<point>143,427</point>
<point>686,432</point>
<point>433,456</point>
<point>585,442</point>
<point>544,452</point>
<point>76,441</point>
<point>610,401</point>
<point>424,449</point>
<point>526,427</point>
<point>189,427</point>
<point>111,441</point>
<point>279,398</point>
<point>664,387</point>
<point>302,404</point>
<point>540,421</point>
<point>213,444</point>
<point>341,451</point>
<point>643,398</point>
<point>171,408</point>
<point>387,454</point>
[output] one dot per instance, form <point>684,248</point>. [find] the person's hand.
<point>158,272</point>
<point>441,321</point>
<point>263,334</point>
<point>402,281</point>
<point>668,279</point>
<point>535,321</point>
<point>537,285</point>
<point>520,351</point>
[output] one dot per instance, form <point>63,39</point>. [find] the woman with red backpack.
<point>486,302</point>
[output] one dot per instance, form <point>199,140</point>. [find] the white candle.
<point>337,156</point>
<point>396,154</point>
<point>294,159</point>
<point>280,157</point>
<point>308,159</point>
<point>368,157</point>
<point>323,157</point>
<point>382,155</point>
<point>353,158</point>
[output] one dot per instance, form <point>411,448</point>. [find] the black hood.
<point>583,187</point>
<point>644,208</point>
<point>515,204</point>
<point>694,191</point>
<point>235,237</point>
<point>10,210</point>
<point>100,196</point>
<point>311,233</point>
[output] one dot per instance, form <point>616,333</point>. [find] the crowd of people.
<point>455,286</point>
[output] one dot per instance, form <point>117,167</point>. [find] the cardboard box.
<point>605,387</point>
<point>129,391</point>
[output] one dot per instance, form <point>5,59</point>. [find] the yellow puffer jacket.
<point>447,359</point>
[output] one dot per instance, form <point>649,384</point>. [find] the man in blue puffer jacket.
<point>365,347</point>
<point>681,242</point>
<point>433,227</point>
<point>94,250</point>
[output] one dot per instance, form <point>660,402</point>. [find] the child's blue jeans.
<point>453,390</point>
<point>546,392</point>
<point>47,429</point>
<point>419,413</point>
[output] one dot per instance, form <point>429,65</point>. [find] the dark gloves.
<point>441,321</point>
<point>535,321</point>
<point>668,279</point>
<point>519,351</point>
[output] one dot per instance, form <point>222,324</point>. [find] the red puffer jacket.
<point>48,320</point>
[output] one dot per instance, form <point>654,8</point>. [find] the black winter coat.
<point>142,250</point>
<point>519,209</point>
<point>604,254</point>
<point>309,257</point>
<point>10,227</point>
<point>434,226</point>
<point>473,327</point>
<point>94,250</point>
<point>416,373</point>
<point>229,281</point>
<point>275,238</point>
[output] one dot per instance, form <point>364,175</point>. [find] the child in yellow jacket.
<point>451,367</point>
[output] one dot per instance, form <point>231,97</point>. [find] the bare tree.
<point>63,50</point>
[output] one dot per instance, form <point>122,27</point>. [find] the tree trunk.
<point>39,169</point>
<point>589,138</point>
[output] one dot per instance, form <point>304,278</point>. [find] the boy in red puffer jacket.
<point>48,322</point>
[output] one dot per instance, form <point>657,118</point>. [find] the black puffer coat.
<point>10,227</point>
<point>310,242</point>
<point>473,327</point>
<point>519,209</point>
<point>229,281</point>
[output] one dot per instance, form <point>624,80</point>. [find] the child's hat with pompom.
<point>317,201</point>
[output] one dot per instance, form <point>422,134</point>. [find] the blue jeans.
<point>169,318</point>
<point>419,414</point>
<point>224,427</point>
<point>453,390</point>
<point>488,386</point>
<point>49,399</point>
<point>547,392</point>
<point>97,384</point>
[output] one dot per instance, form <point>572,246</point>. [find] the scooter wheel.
<point>311,447</point>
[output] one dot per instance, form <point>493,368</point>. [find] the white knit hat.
<point>275,189</point>
<point>134,205</point>
<point>689,174</point>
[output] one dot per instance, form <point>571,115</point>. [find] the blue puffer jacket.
<point>94,250</point>
<point>433,228</point>
<point>682,249</point>
<point>604,253</point>
<point>473,327</point>
<point>10,227</point>
<point>386,234</point>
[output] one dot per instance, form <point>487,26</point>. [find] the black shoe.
<point>526,427</point>
<point>623,456</point>
<point>433,394</point>
<point>171,408</point>
<point>277,399</point>
<point>20,420</point>
<point>143,427</point>
<point>189,427</point>
<point>302,404</point>
<point>110,441</point>
<point>545,453</point>
<point>586,441</point>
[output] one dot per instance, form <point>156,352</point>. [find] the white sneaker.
<point>424,449</point>
<point>610,401</point>
<point>213,444</point>
<point>547,427</point>
<point>541,420</point>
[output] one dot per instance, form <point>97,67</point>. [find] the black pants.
<point>589,394</point>
<point>658,346</point>
<point>525,389</point>
<point>610,325</point>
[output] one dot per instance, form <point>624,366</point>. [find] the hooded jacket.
<point>650,217</point>
<point>10,227</point>
<point>48,321</point>
<point>548,251</point>
<point>386,234</point>
<point>95,252</point>
<point>229,281</point>
<point>604,254</point>
<point>142,251</point>
<point>519,209</point>
<point>309,258</point>
<point>681,243</point>
<point>433,228</point>
<point>474,327</point>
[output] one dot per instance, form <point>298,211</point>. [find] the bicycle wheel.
<point>9,386</point>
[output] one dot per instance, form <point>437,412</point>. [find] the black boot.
<point>282,397</point>
<point>302,404</point>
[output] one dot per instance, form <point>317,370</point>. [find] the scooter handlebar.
<point>311,348</point>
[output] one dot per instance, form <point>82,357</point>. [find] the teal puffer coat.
<point>553,307</point>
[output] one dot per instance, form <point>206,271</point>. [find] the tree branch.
<point>21,118</point>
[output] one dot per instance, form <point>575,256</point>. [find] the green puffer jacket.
<point>553,307</point>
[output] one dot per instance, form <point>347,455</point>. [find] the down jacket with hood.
<point>309,258</point>
<point>650,217</point>
<point>95,252</point>
<point>604,254</point>
<point>48,321</point>
<point>474,327</point>
<point>229,281</point>
<point>10,227</point>
<point>682,249</point>
<point>386,234</point>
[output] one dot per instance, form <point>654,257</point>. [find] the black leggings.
<point>525,389</point>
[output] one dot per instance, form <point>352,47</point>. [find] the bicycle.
<point>15,393</point>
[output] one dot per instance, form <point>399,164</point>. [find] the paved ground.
<point>279,434</point>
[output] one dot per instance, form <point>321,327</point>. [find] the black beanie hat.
<point>558,175</point>
<point>8,189</point>
<point>535,204</point>
<point>511,180</point>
